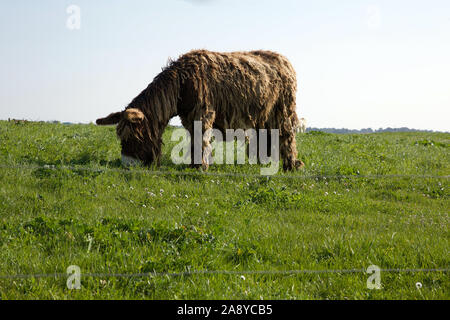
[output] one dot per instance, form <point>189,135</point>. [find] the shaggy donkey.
<point>236,90</point>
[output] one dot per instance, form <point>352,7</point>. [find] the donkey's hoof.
<point>295,165</point>
<point>299,164</point>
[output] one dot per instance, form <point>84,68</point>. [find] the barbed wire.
<point>222,174</point>
<point>215,272</point>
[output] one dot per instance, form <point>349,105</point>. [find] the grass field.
<point>134,221</point>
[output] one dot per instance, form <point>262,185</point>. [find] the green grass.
<point>142,222</point>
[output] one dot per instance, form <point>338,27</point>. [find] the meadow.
<point>66,200</point>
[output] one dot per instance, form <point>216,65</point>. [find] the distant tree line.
<point>365,130</point>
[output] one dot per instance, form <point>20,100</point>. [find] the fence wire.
<point>216,272</point>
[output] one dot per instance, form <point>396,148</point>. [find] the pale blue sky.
<point>355,68</point>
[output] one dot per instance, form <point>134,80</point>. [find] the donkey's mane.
<point>158,102</point>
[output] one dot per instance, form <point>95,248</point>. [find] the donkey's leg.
<point>188,124</point>
<point>288,150</point>
<point>191,132</point>
<point>288,146</point>
<point>207,119</point>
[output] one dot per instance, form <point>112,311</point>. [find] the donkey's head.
<point>139,143</point>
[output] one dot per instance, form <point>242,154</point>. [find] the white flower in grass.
<point>242,277</point>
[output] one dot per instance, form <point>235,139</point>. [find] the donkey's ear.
<point>133,115</point>
<point>113,118</point>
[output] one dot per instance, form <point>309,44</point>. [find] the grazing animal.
<point>235,90</point>
<point>302,125</point>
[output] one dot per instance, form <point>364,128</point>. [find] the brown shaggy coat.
<point>233,90</point>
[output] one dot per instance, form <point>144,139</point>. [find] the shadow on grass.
<point>84,159</point>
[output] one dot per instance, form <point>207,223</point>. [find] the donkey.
<point>234,90</point>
